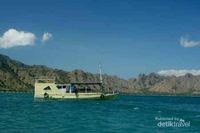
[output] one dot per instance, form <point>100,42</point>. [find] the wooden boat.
<point>49,89</point>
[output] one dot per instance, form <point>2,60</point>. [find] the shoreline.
<point>16,91</point>
<point>161,94</point>
<point>122,93</point>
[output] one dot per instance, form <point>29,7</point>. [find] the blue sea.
<point>20,113</point>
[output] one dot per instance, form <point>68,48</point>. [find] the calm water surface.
<point>126,114</point>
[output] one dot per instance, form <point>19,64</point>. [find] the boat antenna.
<point>100,74</point>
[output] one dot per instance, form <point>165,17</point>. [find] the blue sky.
<point>127,37</point>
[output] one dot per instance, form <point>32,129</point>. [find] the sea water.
<point>126,114</point>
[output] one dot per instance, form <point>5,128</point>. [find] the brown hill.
<point>17,76</point>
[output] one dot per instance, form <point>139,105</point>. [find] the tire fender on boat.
<point>46,95</point>
<point>102,96</point>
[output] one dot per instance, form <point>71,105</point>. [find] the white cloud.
<point>13,38</point>
<point>178,72</point>
<point>46,36</point>
<point>185,42</point>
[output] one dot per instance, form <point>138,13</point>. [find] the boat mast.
<point>100,75</point>
<point>101,79</point>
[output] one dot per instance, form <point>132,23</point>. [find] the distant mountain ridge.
<point>17,76</point>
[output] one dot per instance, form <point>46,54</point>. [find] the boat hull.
<point>78,96</point>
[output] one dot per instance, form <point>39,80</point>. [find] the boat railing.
<point>45,80</point>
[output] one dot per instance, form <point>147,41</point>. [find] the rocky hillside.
<point>17,76</point>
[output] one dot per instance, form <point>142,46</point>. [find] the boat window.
<point>47,88</point>
<point>59,87</point>
<point>64,86</point>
